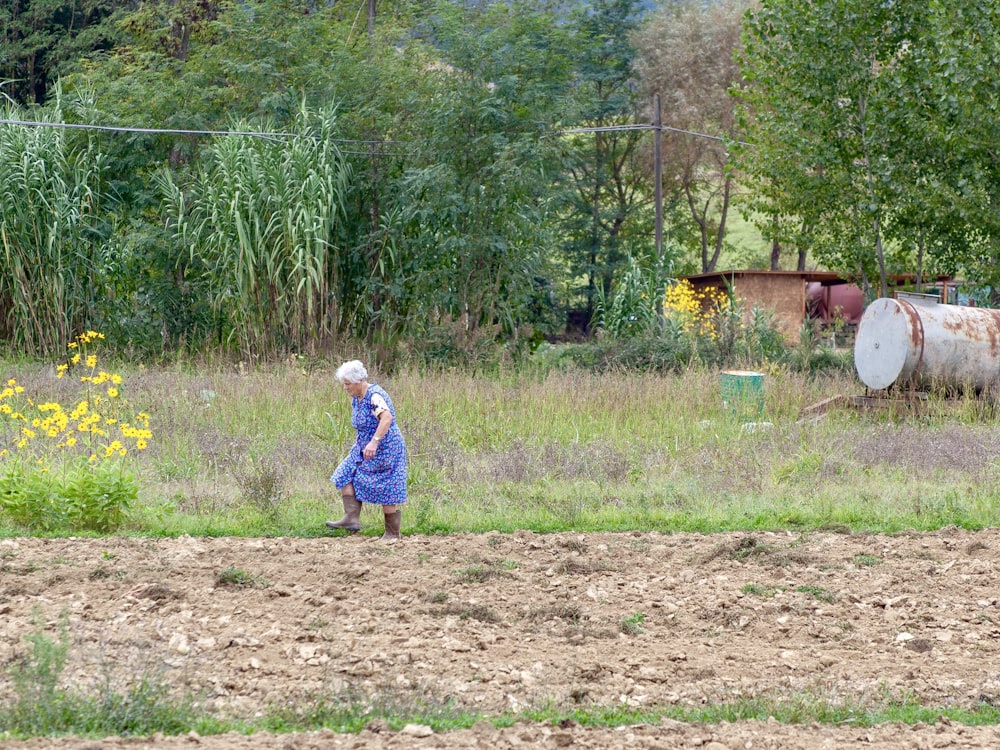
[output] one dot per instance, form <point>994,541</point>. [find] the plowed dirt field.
<point>499,623</point>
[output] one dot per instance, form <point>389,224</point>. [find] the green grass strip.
<point>145,710</point>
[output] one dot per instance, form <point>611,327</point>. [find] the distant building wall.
<point>783,293</point>
<point>793,296</point>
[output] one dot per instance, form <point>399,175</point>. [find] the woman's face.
<point>356,389</point>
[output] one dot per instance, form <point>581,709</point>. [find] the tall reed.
<point>262,219</point>
<point>50,229</point>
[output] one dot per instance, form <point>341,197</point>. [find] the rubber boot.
<point>392,523</point>
<point>352,515</point>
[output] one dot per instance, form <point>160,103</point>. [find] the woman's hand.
<point>369,450</point>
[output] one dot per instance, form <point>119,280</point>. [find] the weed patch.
<point>239,578</point>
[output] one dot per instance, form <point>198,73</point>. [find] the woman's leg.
<point>393,517</point>
<point>352,511</point>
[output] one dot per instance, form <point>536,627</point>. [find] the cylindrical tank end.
<point>888,344</point>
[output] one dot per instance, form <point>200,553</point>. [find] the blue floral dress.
<point>382,480</point>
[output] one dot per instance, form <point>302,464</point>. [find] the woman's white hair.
<point>351,372</point>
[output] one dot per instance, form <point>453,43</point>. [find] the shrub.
<point>66,470</point>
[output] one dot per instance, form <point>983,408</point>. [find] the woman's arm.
<point>384,423</point>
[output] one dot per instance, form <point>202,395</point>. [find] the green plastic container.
<point>743,393</point>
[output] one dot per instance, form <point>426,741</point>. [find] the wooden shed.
<point>782,292</point>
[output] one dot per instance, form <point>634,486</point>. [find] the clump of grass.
<point>764,592</point>
<point>748,547</point>
<point>574,545</point>
<point>865,560</point>
<point>632,625</point>
<point>569,612</point>
<point>583,567</point>
<point>262,485</point>
<point>239,578</point>
<point>483,570</point>
<point>479,612</point>
<point>817,592</point>
<point>480,573</point>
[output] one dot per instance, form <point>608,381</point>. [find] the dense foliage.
<point>858,116</point>
<point>455,176</point>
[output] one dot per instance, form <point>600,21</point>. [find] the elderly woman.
<point>375,469</point>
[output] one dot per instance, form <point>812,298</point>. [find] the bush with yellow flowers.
<point>65,469</point>
<point>695,311</point>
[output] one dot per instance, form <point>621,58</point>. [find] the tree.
<point>41,39</point>
<point>817,92</point>
<point>607,184</point>
<point>686,53</point>
<point>853,110</point>
<point>947,82</point>
<point>471,211</point>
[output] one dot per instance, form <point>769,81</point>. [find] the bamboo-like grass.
<point>250,453</point>
<point>260,222</point>
<point>50,226</point>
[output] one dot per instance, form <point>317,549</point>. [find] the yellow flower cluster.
<point>695,309</point>
<point>93,425</point>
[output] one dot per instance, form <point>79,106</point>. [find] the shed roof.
<point>826,277</point>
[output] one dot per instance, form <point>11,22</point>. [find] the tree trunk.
<point>727,189</point>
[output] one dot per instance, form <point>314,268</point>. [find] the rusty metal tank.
<point>916,341</point>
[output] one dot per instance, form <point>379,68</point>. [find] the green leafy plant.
<point>52,221</point>
<point>632,625</point>
<point>635,306</point>
<point>259,218</point>
<point>35,678</point>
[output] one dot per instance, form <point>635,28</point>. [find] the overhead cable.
<point>180,131</point>
<point>615,128</point>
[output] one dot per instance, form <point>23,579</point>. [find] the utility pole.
<point>371,18</point>
<point>657,173</point>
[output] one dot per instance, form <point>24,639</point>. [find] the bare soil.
<point>497,623</point>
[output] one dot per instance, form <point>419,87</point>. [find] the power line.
<point>359,141</point>
<point>181,131</point>
<point>615,128</point>
<point>154,131</point>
